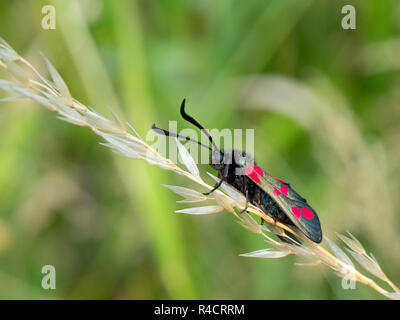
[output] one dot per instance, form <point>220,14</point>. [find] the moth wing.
<point>296,207</point>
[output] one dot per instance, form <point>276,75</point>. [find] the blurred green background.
<point>324,103</point>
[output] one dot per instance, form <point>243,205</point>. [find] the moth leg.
<point>247,202</point>
<point>224,176</point>
<point>215,187</point>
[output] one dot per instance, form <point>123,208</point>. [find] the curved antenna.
<point>172,134</point>
<point>198,125</point>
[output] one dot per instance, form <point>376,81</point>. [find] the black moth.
<point>274,196</point>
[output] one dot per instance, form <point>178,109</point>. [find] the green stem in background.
<point>135,81</point>
<point>167,241</point>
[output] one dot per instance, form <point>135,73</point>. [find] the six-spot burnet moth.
<point>274,196</point>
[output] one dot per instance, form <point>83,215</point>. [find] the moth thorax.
<point>217,159</point>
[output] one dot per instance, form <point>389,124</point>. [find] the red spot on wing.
<point>307,213</point>
<point>254,177</point>
<point>280,180</point>
<point>277,192</point>
<point>296,211</point>
<point>284,190</point>
<point>248,170</point>
<point>252,174</point>
<point>259,171</point>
